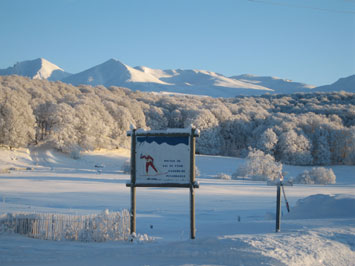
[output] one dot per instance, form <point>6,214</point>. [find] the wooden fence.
<point>100,227</point>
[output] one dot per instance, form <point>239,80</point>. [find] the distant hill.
<point>173,81</point>
<point>342,84</point>
<point>277,84</point>
<point>39,68</point>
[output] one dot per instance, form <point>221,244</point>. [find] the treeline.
<point>301,129</point>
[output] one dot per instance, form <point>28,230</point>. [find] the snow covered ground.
<point>234,218</point>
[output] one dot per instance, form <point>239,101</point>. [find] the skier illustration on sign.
<point>149,162</point>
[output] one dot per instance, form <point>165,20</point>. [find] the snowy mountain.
<point>199,82</point>
<point>173,81</point>
<point>39,68</point>
<point>277,84</point>
<point>112,73</point>
<point>342,84</point>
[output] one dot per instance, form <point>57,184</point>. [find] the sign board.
<point>163,159</point>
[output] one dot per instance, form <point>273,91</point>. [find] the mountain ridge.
<point>179,81</point>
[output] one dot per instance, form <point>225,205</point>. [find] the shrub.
<point>259,166</point>
<point>317,175</point>
<point>197,172</point>
<point>224,176</point>
<point>126,167</point>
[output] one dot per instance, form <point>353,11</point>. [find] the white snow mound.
<point>324,206</point>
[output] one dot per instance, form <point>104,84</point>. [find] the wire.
<point>283,190</point>
<point>305,7</point>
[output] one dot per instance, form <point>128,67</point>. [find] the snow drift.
<point>324,206</point>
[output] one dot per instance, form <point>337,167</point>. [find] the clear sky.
<point>310,41</point>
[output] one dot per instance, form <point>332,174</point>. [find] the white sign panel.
<point>162,160</point>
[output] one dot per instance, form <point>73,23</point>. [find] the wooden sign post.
<point>163,158</point>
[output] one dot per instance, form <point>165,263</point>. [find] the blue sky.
<point>311,41</point>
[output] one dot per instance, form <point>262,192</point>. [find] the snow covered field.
<point>234,218</point>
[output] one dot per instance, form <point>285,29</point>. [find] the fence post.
<point>278,207</point>
<point>133,182</point>
<point>192,181</point>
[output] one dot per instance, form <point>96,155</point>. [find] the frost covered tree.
<point>236,133</point>
<point>295,148</point>
<point>16,121</point>
<point>209,141</point>
<point>93,126</point>
<point>44,119</point>
<point>267,141</point>
<point>321,151</point>
<point>339,141</point>
<point>350,159</point>
<point>64,134</point>
<point>122,122</point>
<point>303,128</point>
<point>156,118</point>
<point>259,166</point>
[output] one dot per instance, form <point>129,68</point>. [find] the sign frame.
<point>190,133</point>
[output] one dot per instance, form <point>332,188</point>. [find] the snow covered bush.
<point>259,166</point>
<point>126,167</point>
<point>197,172</point>
<point>138,238</point>
<point>224,176</point>
<point>75,152</point>
<point>317,175</point>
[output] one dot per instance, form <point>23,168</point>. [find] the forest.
<point>299,129</point>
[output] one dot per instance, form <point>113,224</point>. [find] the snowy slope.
<point>343,84</point>
<point>234,218</point>
<point>277,84</point>
<point>199,78</point>
<point>39,68</point>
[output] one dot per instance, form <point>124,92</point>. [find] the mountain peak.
<point>113,61</point>
<point>46,69</point>
<point>113,72</point>
<point>39,68</point>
